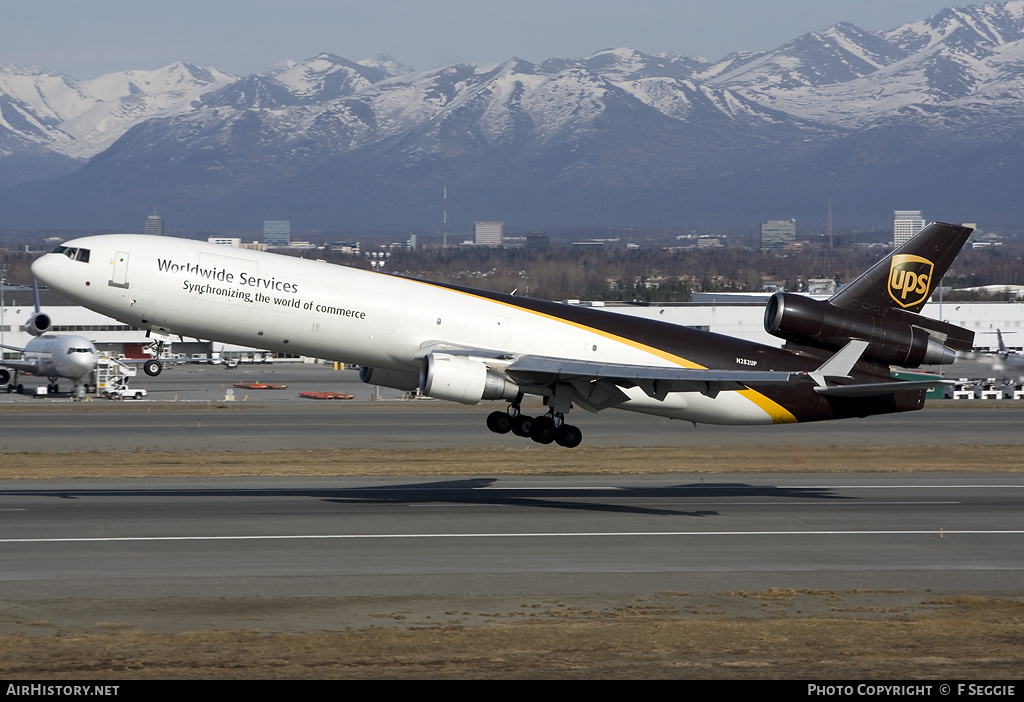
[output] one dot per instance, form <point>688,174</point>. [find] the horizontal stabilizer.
<point>878,389</point>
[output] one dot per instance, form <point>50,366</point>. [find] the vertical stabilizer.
<point>905,279</point>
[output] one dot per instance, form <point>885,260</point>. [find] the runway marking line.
<point>283,537</point>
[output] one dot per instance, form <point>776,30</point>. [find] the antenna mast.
<point>830,224</point>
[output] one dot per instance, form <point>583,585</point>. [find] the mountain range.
<point>928,116</point>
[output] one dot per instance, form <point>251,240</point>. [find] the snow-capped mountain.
<point>81,119</point>
<point>840,113</point>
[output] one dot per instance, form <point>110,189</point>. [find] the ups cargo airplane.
<point>467,345</point>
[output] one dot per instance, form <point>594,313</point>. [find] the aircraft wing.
<point>543,370</point>
<point>659,380</point>
<point>429,347</point>
<point>598,385</point>
<point>533,369</point>
<point>20,366</point>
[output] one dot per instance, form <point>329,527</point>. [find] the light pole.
<point>3,282</point>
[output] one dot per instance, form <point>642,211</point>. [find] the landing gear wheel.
<point>521,425</point>
<point>543,430</point>
<point>152,367</point>
<point>568,436</point>
<point>499,422</point>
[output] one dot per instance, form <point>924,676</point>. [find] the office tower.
<point>488,233</point>
<point>277,232</point>
<point>775,234</point>
<point>906,223</point>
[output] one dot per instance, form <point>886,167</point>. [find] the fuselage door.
<point>119,276</point>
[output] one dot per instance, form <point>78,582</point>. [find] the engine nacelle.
<point>805,321</point>
<point>38,324</point>
<point>463,380</point>
<point>5,376</point>
<point>406,382</point>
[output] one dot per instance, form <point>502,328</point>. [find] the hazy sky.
<point>84,39</point>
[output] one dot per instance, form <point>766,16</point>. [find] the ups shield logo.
<point>910,279</point>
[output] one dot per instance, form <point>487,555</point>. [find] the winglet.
<point>840,365</point>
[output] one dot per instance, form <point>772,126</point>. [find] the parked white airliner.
<point>49,356</point>
<point>468,345</point>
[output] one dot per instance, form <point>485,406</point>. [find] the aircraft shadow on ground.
<point>484,491</point>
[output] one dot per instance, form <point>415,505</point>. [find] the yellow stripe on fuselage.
<point>778,413</point>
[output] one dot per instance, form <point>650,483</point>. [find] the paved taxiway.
<point>434,425</point>
<point>186,411</point>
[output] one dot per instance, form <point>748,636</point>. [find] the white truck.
<point>123,392</point>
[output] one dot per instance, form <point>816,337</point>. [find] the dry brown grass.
<point>508,461</point>
<point>626,643</point>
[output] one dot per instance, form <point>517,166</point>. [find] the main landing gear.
<point>153,367</point>
<point>544,429</point>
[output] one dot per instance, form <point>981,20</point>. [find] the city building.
<point>345,247</point>
<point>277,232</point>
<point>777,233</point>
<point>906,223</point>
<point>224,241</point>
<point>538,241</point>
<point>154,225</point>
<point>488,233</point>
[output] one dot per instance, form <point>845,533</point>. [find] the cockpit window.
<point>71,351</point>
<point>73,253</point>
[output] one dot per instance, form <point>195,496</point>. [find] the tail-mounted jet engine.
<point>815,323</point>
<point>38,324</point>
<point>463,380</point>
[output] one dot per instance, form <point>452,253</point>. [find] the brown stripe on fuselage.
<point>695,348</point>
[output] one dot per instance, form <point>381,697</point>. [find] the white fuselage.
<point>313,308</point>
<point>59,356</point>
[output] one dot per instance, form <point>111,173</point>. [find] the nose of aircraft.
<point>84,364</point>
<point>45,268</point>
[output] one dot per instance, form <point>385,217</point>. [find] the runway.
<point>502,536</point>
